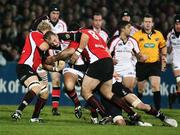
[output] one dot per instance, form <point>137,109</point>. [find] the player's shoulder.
<point>113,40</point>
<point>36,33</point>
<point>105,31</point>
<point>131,38</point>
<point>157,32</point>
<point>62,22</point>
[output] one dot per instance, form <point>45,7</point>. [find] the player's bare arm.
<point>82,45</point>
<point>163,58</point>
<point>140,57</point>
<point>65,54</point>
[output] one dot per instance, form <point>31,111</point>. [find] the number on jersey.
<point>93,34</point>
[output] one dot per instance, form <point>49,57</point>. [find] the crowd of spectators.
<point>16,17</point>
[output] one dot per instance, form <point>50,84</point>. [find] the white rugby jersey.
<point>132,31</point>
<point>123,52</point>
<point>174,42</point>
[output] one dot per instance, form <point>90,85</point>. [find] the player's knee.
<point>155,87</point>
<point>44,92</point>
<point>118,120</point>
<point>142,106</point>
<point>86,94</point>
<point>69,86</point>
<point>137,104</point>
<point>56,81</point>
<point>35,87</point>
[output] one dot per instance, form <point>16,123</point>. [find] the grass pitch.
<point>68,124</point>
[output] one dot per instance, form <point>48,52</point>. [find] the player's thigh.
<point>55,76</point>
<point>129,81</point>
<point>131,98</point>
<point>88,85</point>
<point>141,85</point>
<point>106,89</point>
<point>155,82</point>
<point>70,80</point>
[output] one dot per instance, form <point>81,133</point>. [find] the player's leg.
<point>113,111</point>
<point>137,103</point>
<point>88,85</point>
<point>142,75</point>
<point>106,88</point>
<point>29,79</point>
<point>129,82</point>
<point>177,76</point>
<point>129,78</point>
<point>70,80</point>
<point>175,95</point>
<point>55,76</point>
<point>41,101</point>
<point>155,84</point>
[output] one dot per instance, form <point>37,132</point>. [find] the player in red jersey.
<point>58,26</point>
<point>98,56</point>
<point>27,72</point>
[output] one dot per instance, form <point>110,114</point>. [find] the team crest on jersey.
<point>156,39</point>
<point>173,37</point>
<point>141,39</point>
<point>67,36</point>
<point>120,44</point>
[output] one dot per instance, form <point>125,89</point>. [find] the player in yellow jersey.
<point>152,44</point>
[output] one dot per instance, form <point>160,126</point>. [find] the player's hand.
<point>50,60</point>
<point>60,65</point>
<point>163,63</point>
<point>74,58</point>
<point>143,58</point>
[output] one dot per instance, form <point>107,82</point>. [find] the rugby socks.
<point>55,96</point>
<point>73,95</point>
<point>157,100</point>
<point>93,113</point>
<point>96,105</point>
<point>121,104</point>
<point>38,106</point>
<point>27,100</point>
<point>156,113</point>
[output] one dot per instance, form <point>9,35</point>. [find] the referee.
<point>152,44</point>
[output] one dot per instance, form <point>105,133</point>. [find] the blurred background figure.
<point>173,44</point>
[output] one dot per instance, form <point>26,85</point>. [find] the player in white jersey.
<point>122,48</point>
<point>173,44</point>
<point>58,26</point>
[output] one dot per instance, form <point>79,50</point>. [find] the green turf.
<point>67,124</point>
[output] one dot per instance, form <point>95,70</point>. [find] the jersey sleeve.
<point>73,44</point>
<point>135,46</point>
<point>168,41</point>
<point>38,38</point>
<point>70,36</point>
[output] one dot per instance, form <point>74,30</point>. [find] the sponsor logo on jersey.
<point>67,36</point>
<point>156,39</point>
<point>149,45</point>
<point>141,39</point>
